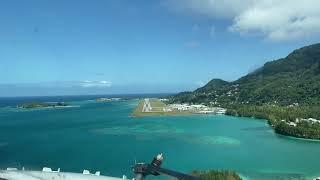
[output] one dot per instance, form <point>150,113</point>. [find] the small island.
<point>33,105</point>
<point>107,99</point>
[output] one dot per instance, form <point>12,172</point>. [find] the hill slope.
<point>290,80</point>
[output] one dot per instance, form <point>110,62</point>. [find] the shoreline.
<point>138,112</point>
<point>277,132</point>
<point>155,108</point>
<point>49,107</point>
<point>298,138</point>
<point>158,107</point>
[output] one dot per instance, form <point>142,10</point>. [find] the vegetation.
<point>302,130</point>
<point>32,105</point>
<point>216,175</point>
<point>284,89</point>
<point>276,114</point>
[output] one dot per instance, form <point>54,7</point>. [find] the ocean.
<point>103,136</point>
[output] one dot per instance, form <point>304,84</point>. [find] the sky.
<point>59,47</point>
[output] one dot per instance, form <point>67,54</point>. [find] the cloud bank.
<point>275,20</point>
<point>88,84</point>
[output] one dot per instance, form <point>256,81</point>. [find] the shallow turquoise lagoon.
<point>104,137</point>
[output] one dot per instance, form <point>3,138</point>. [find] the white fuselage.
<point>41,175</point>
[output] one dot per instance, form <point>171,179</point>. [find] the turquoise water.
<point>103,136</point>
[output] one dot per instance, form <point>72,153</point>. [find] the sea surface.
<point>102,136</point>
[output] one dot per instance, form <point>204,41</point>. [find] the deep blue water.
<point>13,101</point>
<point>103,136</point>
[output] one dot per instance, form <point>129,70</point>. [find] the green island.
<point>32,105</point>
<point>286,92</point>
<point>216,175</point>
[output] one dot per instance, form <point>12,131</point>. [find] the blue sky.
<point>57,47</point>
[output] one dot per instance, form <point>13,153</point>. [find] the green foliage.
<point>275,115</point>
<point>213,84</point>
<point>302,130</point>
<point>216,175</point>
<point>32,105</point>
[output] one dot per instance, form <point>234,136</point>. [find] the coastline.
<point>160,110</point>
<point>243,175</point>
<point>150,125</point>
<point>296,121</point>
<point>49,107</point>
<point>273,124</point>
<point>160,107</point>
<point>297,138</point>
<point>139,112</point>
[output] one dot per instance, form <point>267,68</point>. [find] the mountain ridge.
<point>290,80</point>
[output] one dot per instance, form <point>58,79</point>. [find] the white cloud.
<point>87,81</point>
<point>276,20</point>
<point>88,84</point>
<point>214,8</point>
<point>105,82</point>
<point>200,83</point>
